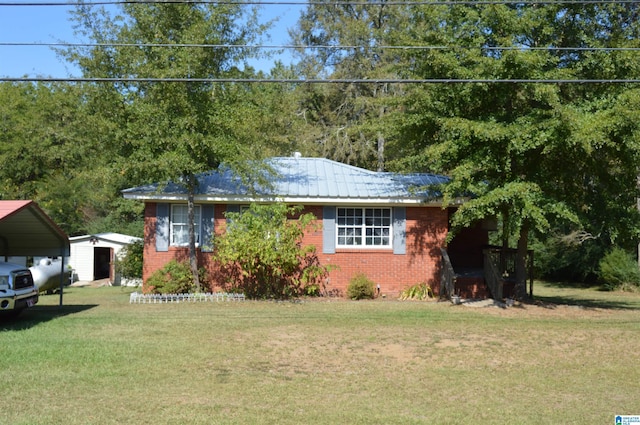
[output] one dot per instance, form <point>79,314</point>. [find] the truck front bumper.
<point>14,302</point>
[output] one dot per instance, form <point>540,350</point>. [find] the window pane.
<point>180,234</point>
<point>180,224</point>
<point>373,223</point>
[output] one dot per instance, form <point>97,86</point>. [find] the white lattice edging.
<point>138,298</point>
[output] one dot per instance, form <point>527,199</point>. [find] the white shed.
<point>92,256</point>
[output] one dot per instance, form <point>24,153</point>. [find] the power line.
<point>323,80</point>
<point>328,46</point>
<point>324,3</point>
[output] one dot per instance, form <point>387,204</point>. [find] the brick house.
<point>391,227</point>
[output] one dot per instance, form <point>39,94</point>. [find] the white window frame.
<point>182,222</point>
<point>355,230</point>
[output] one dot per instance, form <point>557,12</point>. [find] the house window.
<point>180,225</point>
<point>364,227</point>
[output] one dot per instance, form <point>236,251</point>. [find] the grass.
<point>572,359</point>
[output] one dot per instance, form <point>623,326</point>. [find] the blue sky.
<point>50,24</point>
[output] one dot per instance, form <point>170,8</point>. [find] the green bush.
<point>361,287</point>
<point>129,264</point>
<point>559,258</point>
<point>261,254</point>
<point>619,270</point>
<point>174,278</point>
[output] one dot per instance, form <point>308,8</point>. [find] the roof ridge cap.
<point>332,161</point>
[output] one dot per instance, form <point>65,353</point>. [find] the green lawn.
<point>574,358</point>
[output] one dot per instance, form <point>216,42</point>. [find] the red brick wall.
<point>426,233</point>
<point>154,260</point>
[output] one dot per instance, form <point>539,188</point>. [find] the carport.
<point>25,230</point>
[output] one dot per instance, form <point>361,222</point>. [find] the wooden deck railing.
<point>500,266</point>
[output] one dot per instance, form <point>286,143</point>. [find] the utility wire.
<point>329,46</point>
<point>329,3</point>
<point>324,80</point>
<point>316,81</point>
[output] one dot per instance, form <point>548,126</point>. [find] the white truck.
<point>17,289</point>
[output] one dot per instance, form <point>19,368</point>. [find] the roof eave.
<point>238,199</point>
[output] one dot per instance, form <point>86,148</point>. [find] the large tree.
<point>45,153</point>
<point>528,151</point>
<point>169,131</point>
<point>345,42</point>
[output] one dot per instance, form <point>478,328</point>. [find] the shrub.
<point>262,255</point>
<point>619,270</point>
<point>361,287</point>
<point>420,291</point>
<point>561,258</point>
<point>129,263</point>
<point>174,278</point>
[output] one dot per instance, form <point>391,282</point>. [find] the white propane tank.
<point>46,274</point>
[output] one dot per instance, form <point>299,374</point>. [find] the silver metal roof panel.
<point>305,179</point>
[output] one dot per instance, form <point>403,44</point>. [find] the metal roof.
<point>308,180</point>
<point>26,230</point>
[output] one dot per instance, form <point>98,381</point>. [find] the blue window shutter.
<point>233,208</point>
<point>162,227</point>
<point>399,230</point>
<point>206,232</point>
<point>329,230</point>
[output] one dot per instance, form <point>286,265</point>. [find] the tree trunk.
<point>380,152</point>
<point>193,255</point>
<point>505,239</point>
<point>521,263</point>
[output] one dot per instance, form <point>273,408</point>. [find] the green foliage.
<point>572,257</point>
<point>169,131</point>
<point>526,202</point>
<point>262,255</point>
<point>531,154</point>
<point>345,122</point>
<point>619,270</point>
<point>361,287</point>
<point>129,265</point>
<point>174,278</point>
<point>420,291</point>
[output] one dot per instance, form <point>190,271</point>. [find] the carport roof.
<point>26,230</point>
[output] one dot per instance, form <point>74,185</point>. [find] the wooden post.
<point>61,277</point>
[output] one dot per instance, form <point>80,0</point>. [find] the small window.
<point>369,227</point>
<point>180,225</point>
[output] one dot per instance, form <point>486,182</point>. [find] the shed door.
<point>102,263</point>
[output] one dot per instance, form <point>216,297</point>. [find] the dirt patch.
<point>544,309</point>
<point>91,283</point>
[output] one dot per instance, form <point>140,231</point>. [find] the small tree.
<point>129,263</point>
<point>261,253</point>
